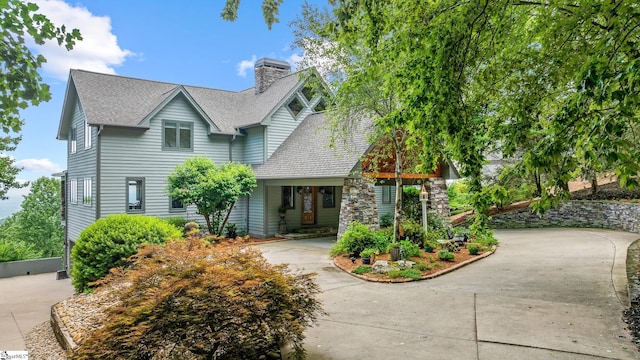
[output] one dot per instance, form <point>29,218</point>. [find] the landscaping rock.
<point>405,264</point>
<point>382,267</point>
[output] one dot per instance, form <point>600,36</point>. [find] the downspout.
<point>98,172</point>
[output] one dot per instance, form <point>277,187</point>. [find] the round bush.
<point>108,242</point>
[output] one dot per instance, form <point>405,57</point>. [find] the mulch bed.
<point>438,267</point>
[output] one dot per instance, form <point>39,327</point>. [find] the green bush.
<point>224,303</point>
<point>362,269</point>
<point>108,242</point>
<point>232,230</point>
<point>406,273</point>
<point>420,266</point>
<point>358,237</point>
<point>413,231</point>
<point>409,249</point>
<point>386,220</point>
<point>474,249</point>
<point>445,255</point>
<point>14,250</point>
<point>177,221</point>
<point>411,206</point>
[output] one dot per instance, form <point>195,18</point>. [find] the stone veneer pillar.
<point>438,197</point>
<point>358,204</point>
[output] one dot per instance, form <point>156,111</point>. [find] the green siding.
<point>138,153</point>
<point>254,146</point>
<point>281,126</point>
<point>256,211</point>
<point>80,165</point>
<point>384,208</point>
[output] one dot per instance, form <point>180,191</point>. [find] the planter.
<point>394,253</point>
<point>366,261</point>
<point>428,248</point>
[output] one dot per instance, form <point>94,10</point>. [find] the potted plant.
<point>282,211</point>
<point>394,251</point>
<point>367,255</point>
<point>429,246</point>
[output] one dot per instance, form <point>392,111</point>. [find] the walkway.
<point>545,294</point>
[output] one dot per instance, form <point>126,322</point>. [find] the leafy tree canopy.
<point>20,83</point>
<point>554,84</point>
<point>211,188</point>
<point>270,10</point>
<point>37,224</point>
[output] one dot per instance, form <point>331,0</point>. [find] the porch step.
<point>310,233</point>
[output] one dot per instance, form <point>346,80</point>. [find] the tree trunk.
<point>538,183</point>
<point>207,218</point>
<point>226,218</point>
<point>594,184</point>
<point>398,210</point>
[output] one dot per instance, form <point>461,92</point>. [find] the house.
<point>125,135</point>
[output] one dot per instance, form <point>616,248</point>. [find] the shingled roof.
<point>123,101</point>
<point>306,153</point>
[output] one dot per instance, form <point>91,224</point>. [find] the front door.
<point>308,205</point>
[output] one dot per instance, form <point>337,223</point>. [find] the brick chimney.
<point>267,71</point>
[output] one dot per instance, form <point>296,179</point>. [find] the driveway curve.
<point>545,294</point>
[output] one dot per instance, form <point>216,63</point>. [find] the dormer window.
<point>295,106</point>
<point>320,106</point>
<point>308,93</point>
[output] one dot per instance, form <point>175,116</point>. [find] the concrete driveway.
<point>545,294</point>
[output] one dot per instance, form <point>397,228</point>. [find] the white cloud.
<point>245,65</point>
<point>44,166</point>
<point>294,60</point>
<point>98,51</point>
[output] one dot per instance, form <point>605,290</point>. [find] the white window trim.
<point>73,139</point>
<point>87,192</point>
<point>87,135</point>
<point>73,191</point>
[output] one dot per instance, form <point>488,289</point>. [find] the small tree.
<point>191,300</point>
<point>212,189</point>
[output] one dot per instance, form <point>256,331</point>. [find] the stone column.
<point>358,204</point>
<point>438,197</point>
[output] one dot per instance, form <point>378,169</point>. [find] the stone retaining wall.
<point>575,213</point>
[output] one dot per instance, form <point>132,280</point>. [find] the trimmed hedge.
<point>108,242</point>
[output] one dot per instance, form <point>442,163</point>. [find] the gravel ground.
<point>42,344</point>
<point>81,314</point>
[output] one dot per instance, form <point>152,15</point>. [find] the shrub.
<point>486,239</point>
<point>474,248</point>
<point>413,231</point>
<point>411,206</point>
<point>108,242</point>
<point>445,255</point>
<point>406,273</point>
<point>367,253</point>
<point>224,303</point>
<point>420,266</point>
<point>362,269</point>
<point>358,237</point>
<point>14,250</point>
<point>409,249</point>
<point>231,230</point>
<point>386,220</point>
<point>177,221</point>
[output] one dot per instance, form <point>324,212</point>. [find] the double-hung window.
<point>86,192</point>
<point>72,140</point>
<point>73,191</point>
<point>87,135</point>
<point>135,195</point>
<point>177,135</point>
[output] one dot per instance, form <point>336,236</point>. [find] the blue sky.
<point>183,42</point>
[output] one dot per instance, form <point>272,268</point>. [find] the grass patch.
<point>362,269</point>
